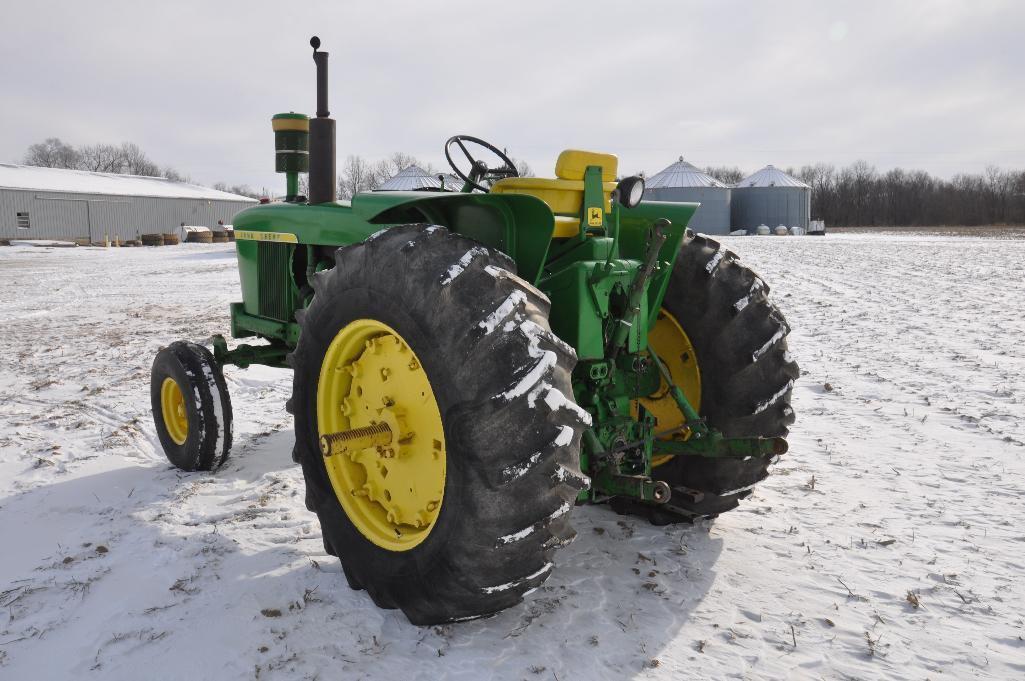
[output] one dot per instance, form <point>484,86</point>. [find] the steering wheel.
<point>479,170</point>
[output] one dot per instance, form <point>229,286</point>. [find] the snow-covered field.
<point>889,542</point>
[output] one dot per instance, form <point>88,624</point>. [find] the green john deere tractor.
<point>469,365</point>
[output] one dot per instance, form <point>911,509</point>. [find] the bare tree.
<point>730,175</point>
<point>135,162</point>
<point>400,160</point>
<point>858,195</point>
<point>383,171</point>
<point>522,167</point>
<point>389,167</point>
<point>101,158</point>
<point>52,153</point>
<point>243,190</point>
<point>173,175</point>
<point>357,176</point>
<point>107,158</point>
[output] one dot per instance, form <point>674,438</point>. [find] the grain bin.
<point>770,197</point>
<point>412,178</point>
<point>682,181</point>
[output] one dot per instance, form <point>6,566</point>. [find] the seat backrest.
<point>573,162</point>
<point>565,195</point>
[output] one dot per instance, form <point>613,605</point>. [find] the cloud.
<point>934,85</point>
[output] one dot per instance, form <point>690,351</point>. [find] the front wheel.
<point>435,424</point>
<point>191,407</point>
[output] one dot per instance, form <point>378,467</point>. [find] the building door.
<point>109,219</point>
<point>60,219</point>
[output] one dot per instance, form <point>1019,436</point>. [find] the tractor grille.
<point>275,286</point>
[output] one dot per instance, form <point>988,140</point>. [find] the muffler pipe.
<point>323,185</point>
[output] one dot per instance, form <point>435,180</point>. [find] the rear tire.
<point>501,380</point>
<point>200,438</point>
<point>747,374</point>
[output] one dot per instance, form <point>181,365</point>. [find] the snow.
<point>221,432</point>
<point>510,473</point>
<point>501,273</point>
<point>776,337</point>
<point>43,243</point>
<point>546,359</point>
<point>746,300</point>
<point>716,259</point>
<point>88,182</point>
<point>903,484</point>
<point>460,265</point>
<point>530,529</point>
<point>516,582</point>
<point>556,400</point>
<point>511,302</point>
<point>762,406</point>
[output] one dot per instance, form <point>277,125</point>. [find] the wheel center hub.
<point>385,446</point>
<point>172,406</point>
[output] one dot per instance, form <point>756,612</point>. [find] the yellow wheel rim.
<point>670,342</point>
<point>172,407</point>
<point>392,493</point>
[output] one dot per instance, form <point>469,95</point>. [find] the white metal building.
<point>771,197</point>
<point>682,181</point>
<point>52,203</point>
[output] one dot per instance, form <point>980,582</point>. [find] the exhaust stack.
<point>323,186</point>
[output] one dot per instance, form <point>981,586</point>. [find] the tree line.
<point>860,195</point>
<point>853,195</point>
<point>121,159</point>
<point>357,174</point>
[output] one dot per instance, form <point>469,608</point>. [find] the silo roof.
<point>771,176</point>
<point>409,179</point>
<point>453,183</point>
<point>682,174</point>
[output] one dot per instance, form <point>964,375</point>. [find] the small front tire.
<point>191,407</point>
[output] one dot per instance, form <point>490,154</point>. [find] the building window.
<point>23,221</point>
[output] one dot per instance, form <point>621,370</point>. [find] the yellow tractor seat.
<point>572,163</point>
<point>565,194</point>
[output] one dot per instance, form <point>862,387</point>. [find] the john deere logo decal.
<point>247,235</point>
<point>594,217</point>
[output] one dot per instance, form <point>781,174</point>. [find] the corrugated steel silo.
<point>771,197</point>
<point>684,182</point>
<point>414,178</point>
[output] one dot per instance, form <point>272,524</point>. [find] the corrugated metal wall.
<point>712,217</point>
<point>55,215</point>
<point>772,206</point>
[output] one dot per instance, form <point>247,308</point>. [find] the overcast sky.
<point>931,84</point>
